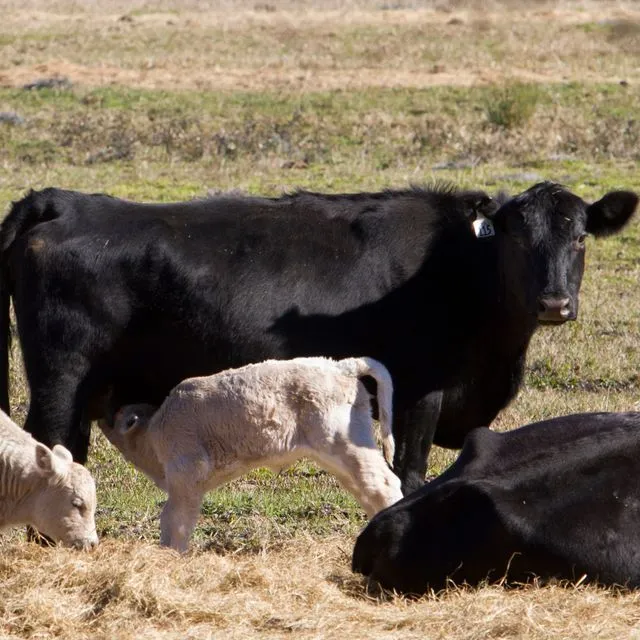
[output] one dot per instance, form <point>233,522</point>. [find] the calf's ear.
<point>44,460</point>
<point>53,462</point>
<point>609,214</point>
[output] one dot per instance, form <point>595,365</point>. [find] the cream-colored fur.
<point>44,488</point>
<point>212,429</point>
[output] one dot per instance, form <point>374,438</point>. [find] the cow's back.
<point>149,295</point>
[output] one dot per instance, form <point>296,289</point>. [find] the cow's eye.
<point>581,240</point>
<point>78,503</point>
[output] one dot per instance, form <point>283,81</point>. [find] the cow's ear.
<point>609,214</point>
<point>53,462</point>
<point>486,206</point>
<point>479,203</point>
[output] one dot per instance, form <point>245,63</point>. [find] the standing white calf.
<point>212,429</point>
<point>44,488</point>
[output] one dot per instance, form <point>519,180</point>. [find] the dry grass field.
<point>167,100</point>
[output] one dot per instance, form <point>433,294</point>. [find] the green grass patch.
<point>262,509</point>
<point>177,145</point>
<point>512,105</point>
<point>585,136</point>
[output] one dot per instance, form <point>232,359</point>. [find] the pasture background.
<point>174,100</point>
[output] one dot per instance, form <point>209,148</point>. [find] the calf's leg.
<point>349,450</point>
<point>374,485</point>
<point>187,480</point>
<point>178,519</point>
<point>363,471</point>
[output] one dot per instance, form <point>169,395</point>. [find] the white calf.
<point>212,429</point>
<point>45,488</point>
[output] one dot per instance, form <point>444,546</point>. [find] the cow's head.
<point>551,225</point>
<point>129,434</point>
<point>66,503</point>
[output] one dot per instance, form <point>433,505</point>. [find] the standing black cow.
<point>555,499</point>
<point>110,294</point>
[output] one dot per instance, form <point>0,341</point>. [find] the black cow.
<point>555,499</point>
<point>133,298</point>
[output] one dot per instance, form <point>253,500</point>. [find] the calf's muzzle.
<point>86,544</point>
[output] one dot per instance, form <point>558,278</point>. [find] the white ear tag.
<point>483,227</point>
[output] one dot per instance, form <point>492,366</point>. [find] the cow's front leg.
<point>413,430</point>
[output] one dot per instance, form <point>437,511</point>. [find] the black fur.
<point>555,499</point>
<point>117,297</point>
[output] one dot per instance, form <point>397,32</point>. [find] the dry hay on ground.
<point>134,590</point>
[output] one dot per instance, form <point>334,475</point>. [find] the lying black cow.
<point>559,498</point>
<point>133,298</point>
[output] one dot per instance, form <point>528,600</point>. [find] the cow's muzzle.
<point>555,309</point>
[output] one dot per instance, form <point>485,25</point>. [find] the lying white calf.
<point>212,429</point>
<point>45,488</point>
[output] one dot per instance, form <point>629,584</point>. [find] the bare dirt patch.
<point>349,47</point>
<point>235,79</point>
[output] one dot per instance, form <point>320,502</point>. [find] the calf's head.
<point>129,434</point>
<point>550,225</point>
<point>65,507</point>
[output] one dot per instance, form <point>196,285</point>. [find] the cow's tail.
<point>24,214</point>
<point>361,367</point>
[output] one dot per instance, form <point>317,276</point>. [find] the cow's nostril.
<point>554,309</point>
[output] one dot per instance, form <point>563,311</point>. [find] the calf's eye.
<point>77,502</point>
<point>581,240</point>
